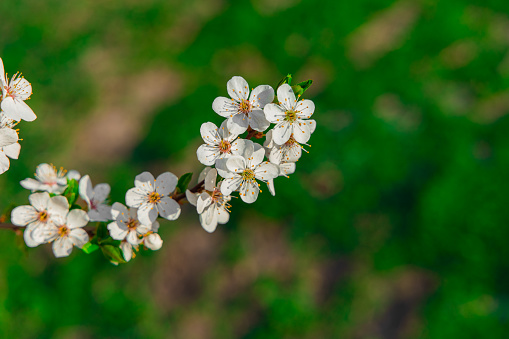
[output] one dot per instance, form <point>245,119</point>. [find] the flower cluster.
<point>63,204</point>
<point>12,109</point>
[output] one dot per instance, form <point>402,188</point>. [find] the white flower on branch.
<point>127,226</point>
<point>37,215</point>
<point>151,197</point>
<point>65,229</point>
<point>243,109</point>
<point>48,179</point>
<point>14,94</point>
<point>211,205</point>
<point>219,143</point>
<point>95,197</point>
<point>241,172</point>
<point>289,116</point>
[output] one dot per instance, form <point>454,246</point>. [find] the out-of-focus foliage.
<point>394,226</point>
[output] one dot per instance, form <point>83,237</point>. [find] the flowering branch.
<point>62,204</point>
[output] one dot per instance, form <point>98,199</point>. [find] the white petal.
<point>208,219</point>
<point>4,162</point>
<point>236,164</point>
<point>270,185</point>
<point>127,250</point>
<point>224,107</point>
<point>266,171</point>
<point>132,238</point>
<point>257,120</point>
<point>210,133</point>
<point>230,185</point>
<point>287,168</point>
<point>282,132</point>
<point>31,184</point>
<point>249,191</point>
<point>166,183</point>
<point>58,207</point>
<point>27,236</point>
<point>147,213</point>
<point>222,215</point>
<point>168,209</point>
<point>2,75</point>
<point>238,123</point>
<point>238,147</point>
<point>17,109</point>
<point>101,192</point>
<point>73,174</point>
<point>79,237</point>
<point>39,200</point>
<point>222,170</point>
<point>286,97</point>
<point>85,189</point>
<point>23,215</point>
<point>312,125</point>
<point>191,197</point>
<point>77,218</point>
<point>135,197</point>
<point>204,173</point>
<point>225,133</point>
<point>101,212</point>
<point>238,88</point>
<point>62,247</point>
<point>261,96</point>
<point>145,181</point>
<point>118,230</point>
<point>208,154</point>
<point>274,113</point>
<point>153,241</point>
<point>256,157</point>
<point>8,136</point>
<point>305,109</point>
<point>210,180</point>
<point>204,201</point>
<point>12,151</point>
<point>118,209</point>
<point>301,131</point>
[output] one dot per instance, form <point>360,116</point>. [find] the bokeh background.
<point>395,225</point>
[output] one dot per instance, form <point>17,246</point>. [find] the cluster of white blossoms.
<point>12,109</point>
<point>63,204</point>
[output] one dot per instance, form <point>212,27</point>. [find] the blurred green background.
<point>395,224</point>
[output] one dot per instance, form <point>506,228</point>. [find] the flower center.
<point>290,141</point>
<point>154,197</point>
<point>216,195</point>
<point>224,146</point>
<point>248,175</point>
<point>132,224</point>
<point>291,116</point>
<point>245,106</point>
<point>42,216</point>
<point>63,231</point>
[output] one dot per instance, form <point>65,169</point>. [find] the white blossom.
<point>48,179</point>
<point>244,109</point>
<point>65,229</point>
<point>289,116</point>
<point>14,94</point>
<point>212,206</point>
<point>95,197</point>
<point>241,172</point>
<point>219,143</point>
<point>37,215</point>
<point>127,226</point>
<point>151,197</point>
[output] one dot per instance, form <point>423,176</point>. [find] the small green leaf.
<point>89,247</point>
<point>286,80</point>
<point>101,232</point>
<point>71,191</point>
<point>184,182</point>
<point>301,87</point>
<point>113,254</point>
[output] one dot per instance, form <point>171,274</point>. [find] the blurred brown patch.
<point>321,71</point>
<point>325,181</point>
<point>390,108</point>
<point>269,7</point>
<point>385,32</point>
<point>490,109</point>
<point>185,260</point>
<point>195,325</point>
<point>126,104</point>
<point>459,54</point>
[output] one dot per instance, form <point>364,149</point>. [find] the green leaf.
<point>89,247</point>
<point>286,80</point>
<point>113,254</point>
<point>101,232</point>
<point>301,87</point>
<point>72,191</point>
<point>184,182</point>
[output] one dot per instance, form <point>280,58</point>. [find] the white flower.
<point>285,169</point>
<point>14,94</point>
<point>290,151</point>
<point>127,250</point>
<point>219,144</point>
<point>127,226</point>
<point>6,152</point>
<point>289,116</point>
<point>48,179</point>
<point>244,110</point>
<point>37,215</point>
<point>211,204</point>
<point>8,136</point>
<point>95,197</point>
<point>152,241</point>
<point>241,172</point>
<point>65,230</point>
<point>151,197</point>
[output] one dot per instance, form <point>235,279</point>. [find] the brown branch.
<point>199,186</point>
